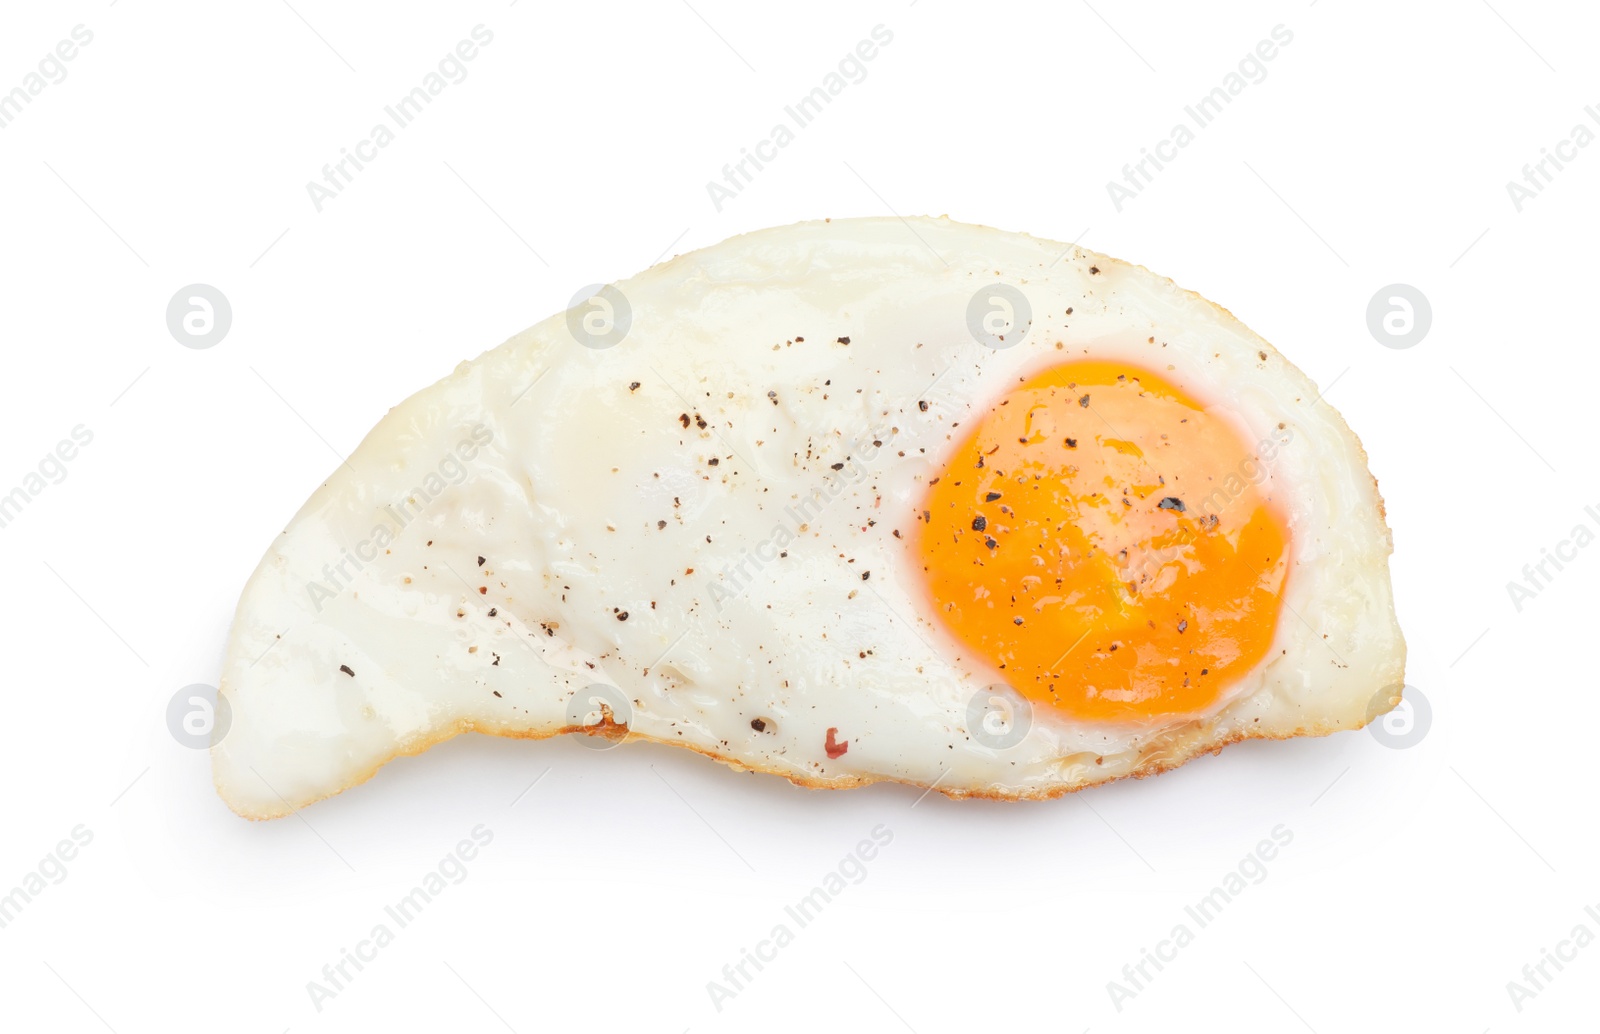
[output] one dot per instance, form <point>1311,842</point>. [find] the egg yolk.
<point>1105,542</point>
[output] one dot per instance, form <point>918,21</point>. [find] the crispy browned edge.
<point>1158,759</point>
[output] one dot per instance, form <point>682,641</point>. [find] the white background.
<point>1376,151</point>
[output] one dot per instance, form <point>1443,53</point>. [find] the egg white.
<point>776,602</point>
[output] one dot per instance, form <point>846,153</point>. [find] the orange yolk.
<point>1099,539</point>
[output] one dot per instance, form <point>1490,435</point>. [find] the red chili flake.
<point>834,749</point>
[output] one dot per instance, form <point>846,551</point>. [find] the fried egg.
<point>844,502</point>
